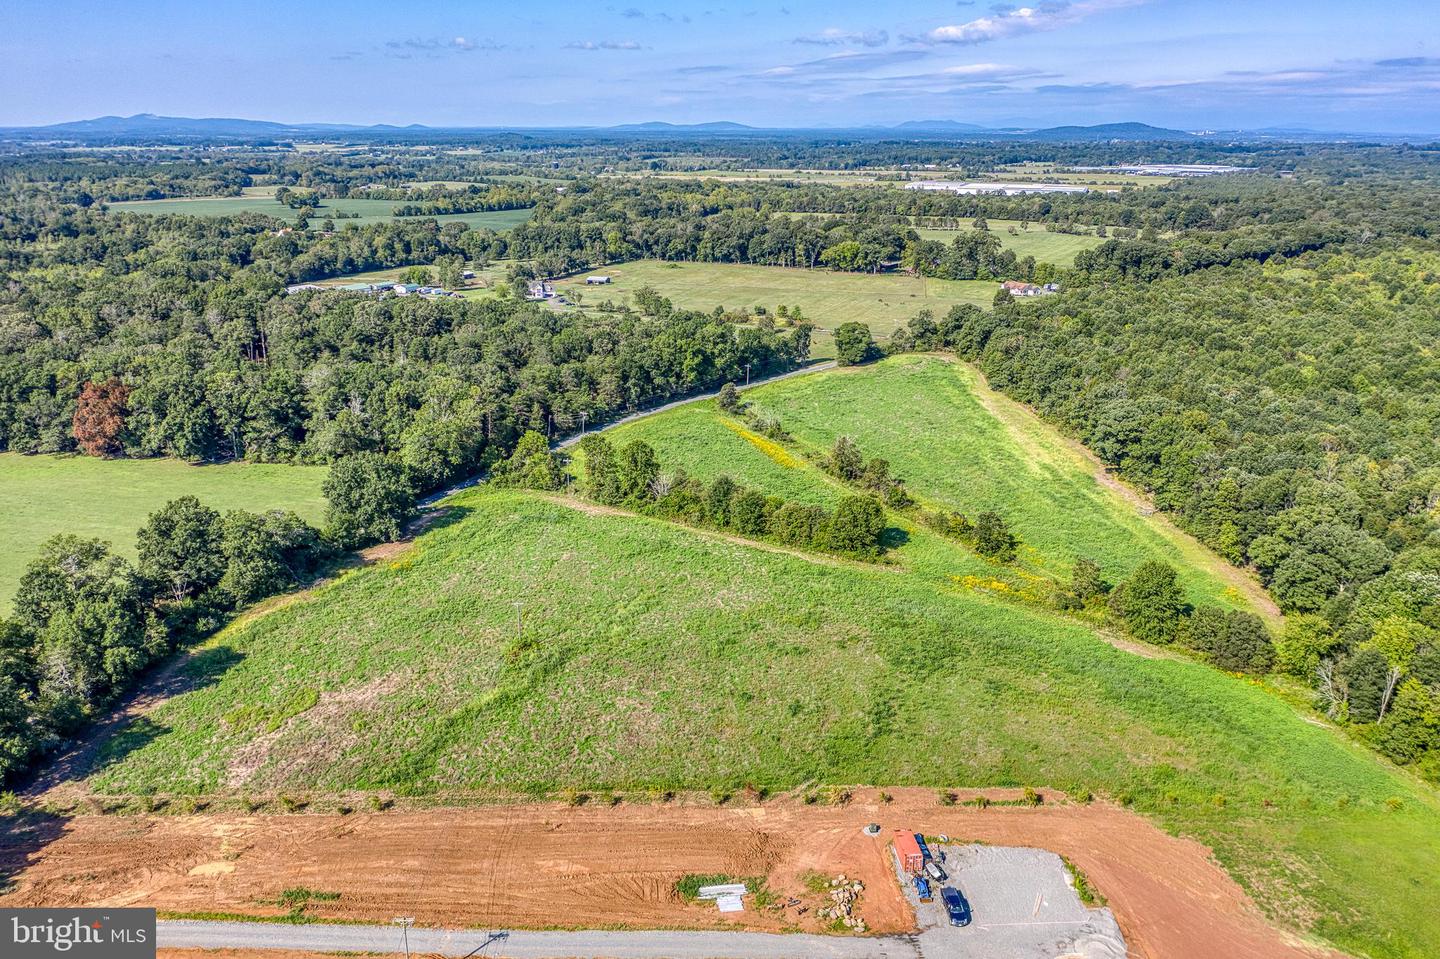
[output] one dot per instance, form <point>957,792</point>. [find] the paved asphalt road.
<point>571,440</point>
<point>174,934</point>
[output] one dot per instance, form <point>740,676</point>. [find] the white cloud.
<point>1009,22</point>
<point>980,70</point>
<point>835,37</point>
<point>603,45</point>
<point>433,46</point>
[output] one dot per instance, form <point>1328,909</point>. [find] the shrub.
<point>1150,603</point>
<point>729,399</point>
<point>853,343</point>
<point>1086,580</point>
<point>856,526</point>
<point>532,465</point>
<point>993,537</point>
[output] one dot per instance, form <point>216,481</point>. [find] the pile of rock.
<point>844,897</point>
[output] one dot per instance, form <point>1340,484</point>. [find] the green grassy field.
<point>994,455</point>
<point>656,656</point>
<point>484,278</point>
<point>1045,247</point>
<point>44,495</point>
<point>370,211</point>
<point>885,301</point>
<point>653,656</point>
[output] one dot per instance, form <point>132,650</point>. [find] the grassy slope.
<point>653,655</point>
<point>656,656</point>
<point>44,495</point>
<point>1012,463</point>
<point>885,302</point>
<point>371,211</point>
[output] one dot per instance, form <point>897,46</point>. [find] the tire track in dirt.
<point>547,865</point>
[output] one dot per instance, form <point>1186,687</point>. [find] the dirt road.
<point>548,865</point>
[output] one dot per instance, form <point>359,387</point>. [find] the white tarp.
<point>730,904</point>
<point>716,892</point>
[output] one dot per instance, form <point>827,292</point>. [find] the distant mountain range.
<point>148,126</point>
<point>660,126</point>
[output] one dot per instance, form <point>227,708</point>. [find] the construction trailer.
<point>912,860</point>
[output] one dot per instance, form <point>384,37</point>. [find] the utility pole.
<point>582,422</point>
<point>405,922</point>
<point>519,619</point>
<point>747,374</point>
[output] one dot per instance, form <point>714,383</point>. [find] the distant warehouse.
<point>1008,189</point>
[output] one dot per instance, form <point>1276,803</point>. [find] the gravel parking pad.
<point>1024,907</point>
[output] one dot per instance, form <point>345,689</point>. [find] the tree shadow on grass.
<point>129,726</point>
<point>443,516</point>
<point>434,519</point>
<point>892,537</point>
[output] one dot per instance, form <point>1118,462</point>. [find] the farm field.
<point>483,276</point>
<point>958,444</point>
<point>1100,180</point>
<point>828,177</point>
<point>884,301</point>
<point>1045,247</point>
<point>531,644</point>
<point>370,211</point>
<point>41,496</point>
<point>1036,241</point>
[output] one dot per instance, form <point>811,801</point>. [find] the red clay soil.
<point>550,865</point>
<point>242,954</point>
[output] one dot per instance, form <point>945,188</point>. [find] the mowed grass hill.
<point>41,496</point>
<point>533,643</point>
<point>959,445</point>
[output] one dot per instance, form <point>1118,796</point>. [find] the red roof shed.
<point>911,859</point>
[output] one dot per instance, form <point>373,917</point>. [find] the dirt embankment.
<point>550,865</point>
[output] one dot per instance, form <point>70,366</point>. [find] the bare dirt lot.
<point>551,865</point>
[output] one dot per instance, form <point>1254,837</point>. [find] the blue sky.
<point>1324,64</point>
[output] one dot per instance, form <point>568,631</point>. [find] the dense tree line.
<point>87,622</point>
<point>631,476</point>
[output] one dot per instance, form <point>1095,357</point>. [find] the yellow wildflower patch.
<point>981,582</point>
<point>769,447</point>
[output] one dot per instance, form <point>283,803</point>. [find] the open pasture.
<point>957,444</point>
<point>533,644</point>
<point>41,496</point>
<point>884,301</point>
<point>1044,246</point>
<point>367,211</point>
